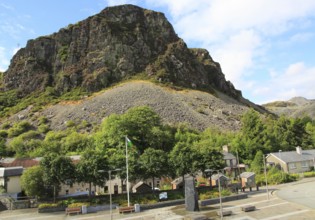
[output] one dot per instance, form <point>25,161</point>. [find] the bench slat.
<point>73,210</point>
<point>126,209</point>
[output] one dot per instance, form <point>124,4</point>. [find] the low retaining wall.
<point>162,204</point>
<point>224,199</point>
<point>98,208</point>
<point>51,209</point>
<point>90,209</point>
<point>11,203</point>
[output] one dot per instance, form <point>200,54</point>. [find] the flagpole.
<point>127,171</point>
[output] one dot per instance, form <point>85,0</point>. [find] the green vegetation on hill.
<point>11,102</point>
<point>279,104</point>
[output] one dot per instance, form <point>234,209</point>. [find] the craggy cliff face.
<point>113,45</point>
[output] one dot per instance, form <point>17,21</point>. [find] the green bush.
<point>78,204</point>
<point>43,128</point>
<point>6,125</point>
<point>42,120</point>
<point>19,128</point>
<point>214,194</point>
<point>70,124</point>
<point>48,205</point>
<point>3,133</point>
<point>309,174</point>
<point>67,202</point>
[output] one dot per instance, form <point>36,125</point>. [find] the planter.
<point>51,209</point>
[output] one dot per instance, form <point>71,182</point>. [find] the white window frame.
<point>292,166</point>
<point>304,164</point>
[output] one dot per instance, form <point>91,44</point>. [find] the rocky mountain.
<point>119,46</point>
<point>295,107</point>
<point>116,44</point>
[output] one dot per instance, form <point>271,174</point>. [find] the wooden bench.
<point>224,212</point>
<point>248,208</point>
<point>76,210</point>
<point>126,209</point>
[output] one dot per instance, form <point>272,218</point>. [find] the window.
<point>304,164</point>
<point>292,166</point>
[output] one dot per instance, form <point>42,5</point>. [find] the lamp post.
<point>265,171</point>
<point>109,189</point>
<point>220,197</point>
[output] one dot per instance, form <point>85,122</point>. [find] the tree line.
<point>158,149</point>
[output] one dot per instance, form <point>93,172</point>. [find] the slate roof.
<point>247,174</point>
<point>10,171</point>
<point>293,156</point>
<point>228,156</point>
<point>217,176</point>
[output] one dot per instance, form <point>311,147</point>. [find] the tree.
<point>251,138</point>
<point>257,164</point>
<point>92,169</point>
<point>154,163</point>
<point>57,169</point>
<point>183,159</point>
<point>75,142</point>
<point>32,181</point>
<point>139,124</point>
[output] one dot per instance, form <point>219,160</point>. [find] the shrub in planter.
<point>48,205</point>
<point>78,204</point>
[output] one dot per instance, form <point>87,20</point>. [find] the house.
<point>178,183</point>
<point>298,161</point>
<point>232,166</point>
<point>10,179</point>
<point>141,187</point>
<point>248,179</point>
<point>224,180</point>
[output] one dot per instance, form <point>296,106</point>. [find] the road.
<point>301,193</point>
<point>286,202</point>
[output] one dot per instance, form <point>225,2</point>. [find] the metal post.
<point>265,170</point>
<point>110,194</point>
<point>209,171</point>
<point>221,212</point>
<point>109,188</point>
<point>238,166</point>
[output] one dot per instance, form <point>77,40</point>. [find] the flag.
<point>129,143</point>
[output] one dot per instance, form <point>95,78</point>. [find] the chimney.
<point>299,150</point>
<point>225,149</point>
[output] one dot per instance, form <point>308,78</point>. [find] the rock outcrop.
<point>116,44</point>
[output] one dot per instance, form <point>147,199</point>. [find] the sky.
<point>266,48</point>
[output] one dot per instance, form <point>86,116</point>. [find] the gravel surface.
<point>199,109</point>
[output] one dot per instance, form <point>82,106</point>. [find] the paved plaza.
<point>287,201</point>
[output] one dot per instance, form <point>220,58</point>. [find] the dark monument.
<point>191,196</point>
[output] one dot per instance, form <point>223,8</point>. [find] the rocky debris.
<point>172,106</point>
<point>116,44</point>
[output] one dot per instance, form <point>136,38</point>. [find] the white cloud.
<point>241,36</point>
<point>8,7</point>
<point>4,62</point>
<point>237,53</point>
<point>295,80</point>
<point>119,2</point>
